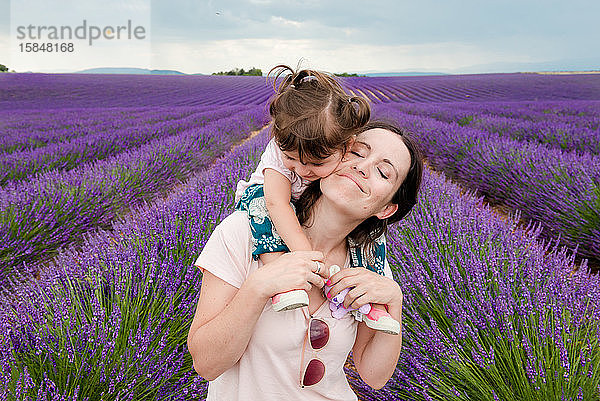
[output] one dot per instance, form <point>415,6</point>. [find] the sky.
<point>470,36</point>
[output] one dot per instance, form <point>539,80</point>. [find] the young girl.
<point>313,126</point>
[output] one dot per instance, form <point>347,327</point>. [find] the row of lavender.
<point>98,142</point>
<point>490,312</point>
<point>550,110</point>
<point>112,319</point>
<point>26,130</point>
<point>559,189</point>
<point>570,126</point>
<point>58,208</point>
<point>60,91</point>
<point>480,87</point>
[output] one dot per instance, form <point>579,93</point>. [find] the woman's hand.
<point>369,287</point>
<point>290,271</point>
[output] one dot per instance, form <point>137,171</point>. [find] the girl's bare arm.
<point>278,190</point>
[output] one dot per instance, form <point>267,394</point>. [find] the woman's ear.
<point>387,211</point>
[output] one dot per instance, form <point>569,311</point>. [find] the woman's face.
<point>370,174</point>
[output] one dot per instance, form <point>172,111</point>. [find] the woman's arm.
<point>375,353</point>
<point>226,316</point>
<point>278,190</point>
<point>223,324</point>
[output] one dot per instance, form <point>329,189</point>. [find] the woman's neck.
<point>329,228</point>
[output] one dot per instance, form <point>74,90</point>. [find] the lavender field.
<point>111,185</point>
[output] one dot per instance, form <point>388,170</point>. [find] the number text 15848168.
<point>47,47</point>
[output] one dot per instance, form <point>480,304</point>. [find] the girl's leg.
<point>267,244</point>
<point>269,257</point>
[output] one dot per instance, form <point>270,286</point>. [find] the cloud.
<point>381,21</point>
<point>286,22</point>
<point>332,56</point>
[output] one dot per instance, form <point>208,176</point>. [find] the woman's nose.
<point>360,169</point>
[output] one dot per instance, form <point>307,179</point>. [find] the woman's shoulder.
<point>235,218</point>
<point>227,253</point>
<point>236,224</point>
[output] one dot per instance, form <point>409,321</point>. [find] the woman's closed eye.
<point>383,175</point>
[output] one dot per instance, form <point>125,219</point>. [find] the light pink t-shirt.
<point>272,157</point>
<point>270,367</point>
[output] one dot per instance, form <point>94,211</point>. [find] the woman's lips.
<point>354,180</point>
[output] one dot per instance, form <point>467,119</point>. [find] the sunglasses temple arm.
<point>302,358</point>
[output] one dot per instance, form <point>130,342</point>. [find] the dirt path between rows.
<point>179,187</point>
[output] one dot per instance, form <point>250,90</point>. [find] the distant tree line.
<point>3,68</point>
<point>240,71</point>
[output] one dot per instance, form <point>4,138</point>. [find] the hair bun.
<point>299,77</point>
<point>356,112</point>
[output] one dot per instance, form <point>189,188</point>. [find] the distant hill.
<point>116,70</point>
<point>590,63</point>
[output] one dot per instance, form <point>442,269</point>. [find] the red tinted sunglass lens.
<point>314,372</point>
<point>319,333</point>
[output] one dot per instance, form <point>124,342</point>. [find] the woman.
<point>248,351</point>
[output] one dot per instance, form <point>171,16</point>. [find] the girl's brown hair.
<point>312,114</point>
<point>405,197</point>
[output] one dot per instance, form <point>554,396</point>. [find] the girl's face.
<point>312,170</point>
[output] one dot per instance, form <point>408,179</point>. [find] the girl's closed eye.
<point>382,174</point>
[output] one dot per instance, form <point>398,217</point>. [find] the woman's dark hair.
<point>369,230</point>
<point>312,114</point>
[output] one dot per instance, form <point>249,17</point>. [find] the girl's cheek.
<point>325,171</point>
<point>321,173</point>
<point>288,164</point>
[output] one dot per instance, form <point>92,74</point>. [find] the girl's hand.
<point>369,287</point>
<point>290,271</point>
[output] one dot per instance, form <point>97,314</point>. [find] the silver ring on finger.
<point>318,266</point>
